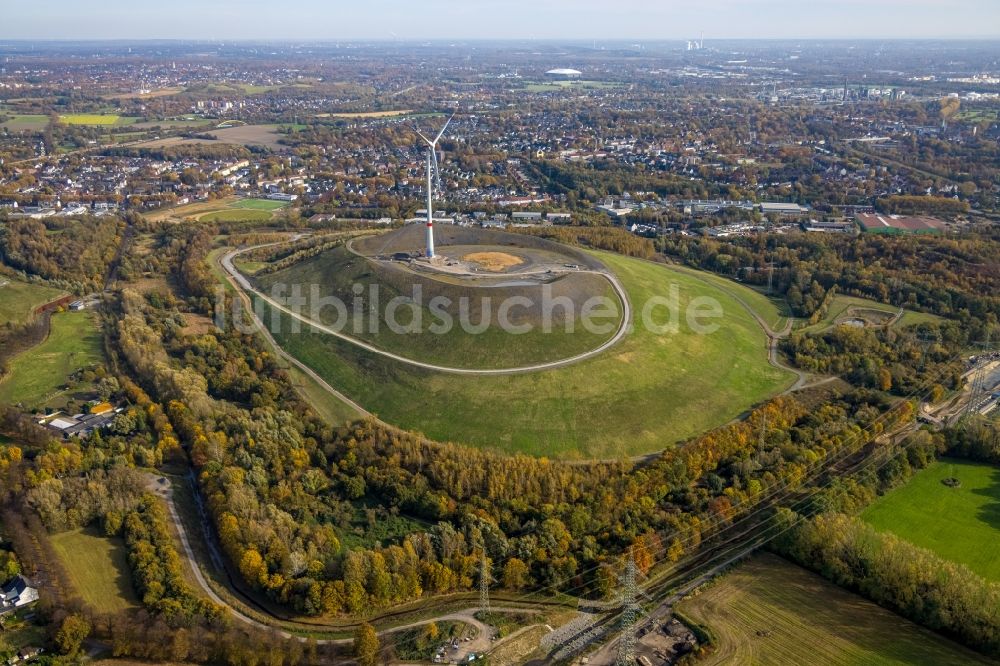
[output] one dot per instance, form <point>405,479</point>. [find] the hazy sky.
<point>457,19</point>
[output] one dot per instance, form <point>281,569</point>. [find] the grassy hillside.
<point>645,394</point>
<point>961,524</point>
<point>773,311</point>
<point>769,611</point>
<point>19,299</point>
<point>337,271</point>
<point>36,375</point>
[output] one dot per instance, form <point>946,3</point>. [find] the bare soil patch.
<point>495,262</point>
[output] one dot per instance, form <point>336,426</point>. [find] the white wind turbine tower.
<point>433,182</point>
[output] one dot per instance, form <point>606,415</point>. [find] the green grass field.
<point>552,86</point>
<point>645,394</point>
<point>769,611</point>
<point>236,215</point>
<point>36,375</point>
<point>773,311</point>
<point>842,306</point>
<point>330,407</point>
<point>978,115</point>
<point>19,299</point>
<point>259,204</point>
<point>96,119</point>
<point>174,123</point>
<point>26,123</point>
<point>960,524</point>
<point>336,271</point>
<point>98,568</point>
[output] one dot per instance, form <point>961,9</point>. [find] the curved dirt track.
<point>244,285</point>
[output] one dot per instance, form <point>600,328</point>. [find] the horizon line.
<point>410,40</point>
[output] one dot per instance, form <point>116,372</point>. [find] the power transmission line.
<point>485,578</point>
<point>630,615</point>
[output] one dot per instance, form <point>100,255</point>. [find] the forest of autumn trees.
<point>299,505</point>
<point>284,488</point>
<point>68,252</point>
<point>951,277</point>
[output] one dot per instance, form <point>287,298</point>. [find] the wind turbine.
<point>433,182</point>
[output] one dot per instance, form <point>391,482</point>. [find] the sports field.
<point>645,394</point>
<point>236,215</point>
<point>229,209</point>
<point>960,524</point>
<point>98,569</point>
<point>260,204</point>
<point>36,375</point>
<point>19,299</point>
<point>769,611</point>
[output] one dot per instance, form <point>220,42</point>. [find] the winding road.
<point>244,285</point>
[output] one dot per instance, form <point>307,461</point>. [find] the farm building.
<point>875,223</point>
<point>81,425</point>
<point>17,593</point>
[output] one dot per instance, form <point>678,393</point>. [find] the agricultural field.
<point>242,135</point>
<point>97,119</point>
<point>367,114</point>
<point>19,299</point>
<point>655,390</point>
<point>553,86</point>
<point>26,123</point>
<point>152,94</point>
<point>174,123</point>
<point>958,523</point>
<point>769,611</point>
<point>37,376</point>
<point>98,569</point>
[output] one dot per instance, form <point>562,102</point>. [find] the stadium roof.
<point>564,72</point>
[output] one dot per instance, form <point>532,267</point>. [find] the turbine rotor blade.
<point>421,135</point>
<point>441,133</point>
<point>437,171</point>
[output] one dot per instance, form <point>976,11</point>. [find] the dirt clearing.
<point>495,262</point>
